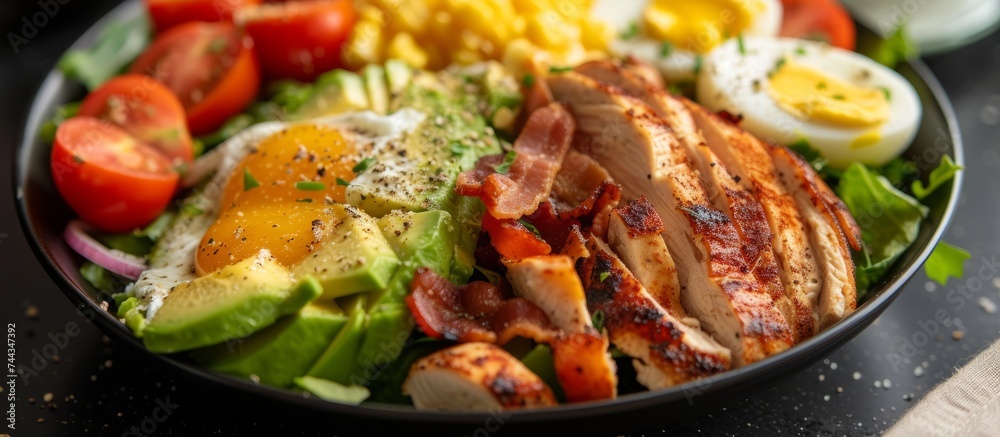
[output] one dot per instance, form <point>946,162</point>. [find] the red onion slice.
<point>116,261</point>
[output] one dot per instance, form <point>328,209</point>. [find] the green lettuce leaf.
<point>889,220</point>
<point>945,172</point>
<point>946,261</point>
<point>117,46</point>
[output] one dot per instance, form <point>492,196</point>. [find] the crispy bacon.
<point>527,182</point>
<point>595,211</point>
<point>512,239</point>
<point>437,307</point>
<point>478,311</point>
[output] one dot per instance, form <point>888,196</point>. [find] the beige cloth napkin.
<point>967,404</point>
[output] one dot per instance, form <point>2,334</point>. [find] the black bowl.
<point>43,215</point>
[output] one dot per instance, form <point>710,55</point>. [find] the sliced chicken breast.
<point>641,153</point>
<point>750,158</point>
<point>582,362</point>
<point>722,186</point>
<point>635,234</point>
<point>475,377</point>
<point>838,292</point>
<point>665,351</point>
<point>551,282</point>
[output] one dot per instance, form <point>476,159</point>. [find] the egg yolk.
<point>276,198</point>
<point>697,25</point>
<point>812,95</point>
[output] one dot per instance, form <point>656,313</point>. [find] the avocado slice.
<point>420,239</point>
<point>378,90</point>
<point>332,391</point>
<point>335,92</point>
<point>280,352</point>
<point>398,75</point>
<point>336,363</point>
<point>355,257</point>
<point>233,302</point>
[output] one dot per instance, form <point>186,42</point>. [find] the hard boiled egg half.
<point>786,90</point>
<point>673,35</point>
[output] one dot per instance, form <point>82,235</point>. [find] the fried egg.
<point>786,90</point>
<point>673,35</point>
<point>273,181</point>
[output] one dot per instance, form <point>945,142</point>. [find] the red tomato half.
<point>169,13</point>
<point>110,179</point>
<point>209,66</point>
<point>299,39</point>
<point>824,20</point>
<point>146,109</point>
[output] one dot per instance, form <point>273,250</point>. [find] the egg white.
<point>737,83</point>
<point>680,65</point>
<point>172,262</point>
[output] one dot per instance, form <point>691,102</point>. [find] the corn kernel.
<point>404,47</point>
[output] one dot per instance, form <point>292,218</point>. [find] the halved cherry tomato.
<point>299,39</point>
<point>169,13</point>
<point>110,179</point>
<point>209,66</point>
<point>824,20</point>
<point>146,110</point>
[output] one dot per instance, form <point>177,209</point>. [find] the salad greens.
<point>946,261</point>
<point>942,174</point>
<point>119,43</point>
<point>889,220</point>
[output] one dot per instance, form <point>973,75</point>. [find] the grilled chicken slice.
<point>838,293</point>
<point>748,157</point>
<point>583,365</point>
<point>475,377</point>
<point>640,152</point>
<point>578,177</point>
<point>665,351</point>
<point>634,234</point>
<point>728,195</point>
<point>550,281</point>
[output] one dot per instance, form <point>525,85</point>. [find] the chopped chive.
<point>249,182</point>
<point>821,86</point>
<point>363,165</point>
<point>838,97</point>
<point>631,32</point>
<point>341,182</point>
<point>458,148</point>
<point>310,186</point>
<point>597,319</point>
<point>306,200</point>
<point>218,45</point>
<point>777,66</point>
<point>666,49</point>
<point>697,64</point>
<point>675,90</point>
<point>888,94</point>
<point>530,227</point>
<point>190,209</point>
<point>560,69</point>
<point>801,51</point>
<point>508,159</point>
<point>605,275</point>
<point>528,80</point>
<point>740,45</point>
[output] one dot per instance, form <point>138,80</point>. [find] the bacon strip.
<point>512,239</point>
<point>540,150</point>
<point>476,312</point>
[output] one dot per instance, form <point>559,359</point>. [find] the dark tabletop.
<point>97,388</point>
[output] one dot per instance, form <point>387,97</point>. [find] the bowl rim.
<point>735,379</point>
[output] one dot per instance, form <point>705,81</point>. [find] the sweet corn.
<point>433,34</point>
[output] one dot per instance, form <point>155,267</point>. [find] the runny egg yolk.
<point>275,198</point>
<point>697,25</point>
<point>812,95</point>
